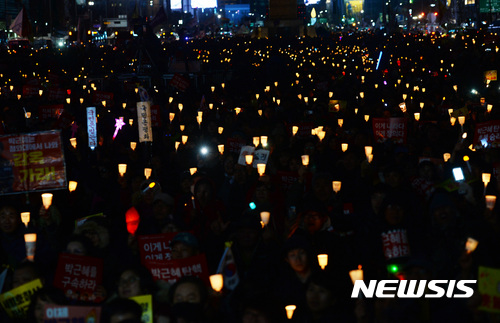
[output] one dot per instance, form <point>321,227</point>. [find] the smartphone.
<point>458,174</point>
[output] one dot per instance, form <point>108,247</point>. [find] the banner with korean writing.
<point>487,134</point>
<point>286,179</point>
<point>395,244</point>
<point>79,276</point>
<point>390,128</point>
<point>245,150</point>
<point>144,121</point>
<point>92,127</point>
<point>146,302</point>
<point>155,246</point>
<point>56,94</point>
<point>233,145</point>
<point>73,314</point>
<point>50,111</point>
<point>490,75</point>
<point>171,270</point>
<point>32,161</point>
<point>30,90</point>
<point>489,288</point>
<point>179,82</point>
<point>16,301</point>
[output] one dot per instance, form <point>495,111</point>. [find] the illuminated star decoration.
<point>118,126</point>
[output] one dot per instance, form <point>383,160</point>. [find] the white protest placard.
<point>92,127</point>
<point>245,150</point>
<point>144,121</point>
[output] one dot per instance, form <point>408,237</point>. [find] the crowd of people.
<point>399,212</point>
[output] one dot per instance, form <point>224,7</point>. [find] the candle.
<point>261,169</point>
<point>341,122</point>
<point>417,116</point>
<point>367,117</point>
<point>147,172</point>
<point>323,260</point>
<point>72,186</point>
<point>446,157</point>
<point>47,200</point>
<point>356,274</point>
<point>193,170</point>
<point>133,145</point>
<point>490,201</point>
<point>73,142</point>
<point>122,169</point>
<point>289,311</point>
<point>256,141</point>
<point>25,218</point>
<point>344,147</point>
<point>171,116</point>
<point>263,140</point>
<point>295,129</point>
<point>249,159</point>
<point>471,245</point>
<point>305,160</point>
<point>184,139</point>
<point>221,148</point>
<point>30,243</point>
<point>177,144</point>
<point>217,282</point>
<point>264,216</point>
<point>336,186</point>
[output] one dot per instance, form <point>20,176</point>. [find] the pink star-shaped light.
<point>118,126</point>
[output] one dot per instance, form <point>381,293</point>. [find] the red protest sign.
<point>30,90</point>
<point>487,134</point>
<point>56,94</point>
<point>286,179</point>
<point>233,145</point>
<point>171,270</point>
<point>155,116</point>
<point>99,96</point>
<point>179,82</point>
<point>65,314</point>
<point>50,111</point>
<point>32,161</point>
<point>155,246</point>
<point>390,128</point>
<point>78,276</point>
<point>395,244</point>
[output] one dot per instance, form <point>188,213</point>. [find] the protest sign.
<point>144,119</point>
<point>260,156</point>
<point>32,161</point>
<point>78,276</point>
<point>92,127</point>
<point>155,246</point>
<point>489,288</point>
<point>73,314</point>
<point>99,96</point>
<point>50,111</point>
<point>172,270</point>
<point>390,128</point>
<point>30,90</point>
<point>56,94</point>
<point>286,179</point>
<point>146,302</point>
<point>490,75</point>
<point>180,82</point>
<point>155,116</point>
<point>234,145</point>
<point>245,150</point>
<point>487,134</point>
<point>16,301</point>
<point>395,244</point>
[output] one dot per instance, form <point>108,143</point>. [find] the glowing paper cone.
<point>180,106</point>
<point>367,117</point>
<point>461,120</point>
<point>193,170</point>
<point>122,169</point>
<point>489,107</point>
<point>73,142</point>
<point>177,144</point>
<point>25,218</point>
<point>132,219</point>
<point>221,148</point>
<point>263,140</point>
<point>356,274</point>
<point>369,158</point>
<point>237,110</point>
<point>486,178</point>
<point>133,145</point>
<point>171,116</point>
<point>323,260</point>
<point>305,160</point>
<point>182,127</point>
<point>295,129</point>
<point>368,150</point>
<point>220,130</point>
<point>147,172</point>
<point>341,122</point>
<point>490,201</point>
<point>446,157</point>
<point>47,200</point>
<point>289,311</point>
<point>321,135</point>
<point>264,216</point>
<point>336,186</point>
<point>344,147</point>
<point>256,141</point>
<point>72,186</point>
<point>30,243</point>
<point>471,245</point>
<point>217,282</point>
<point>184,139</point>
<point>249,159</point>
<point>259,112</point>
<point>261,169</point>
<point>417,116</point>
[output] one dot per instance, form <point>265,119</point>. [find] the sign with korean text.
<point>260,156</point>
<point>92,127</point>
<point>146,302</point>
<point>155,116</point>
<point>286,179</point>
<point>487,134</point>
<point>171,270</point>
<point>16,301</point>
<point>78,276</point>
<point>490,75</point>
<point>390,128</point>
<point>395,244</point>
<point>155,246</point>
<point>56,94</point>
<point>99,96</point>
<point>144,119</point>
<point>245,150</point>
<point>32,161</point>
<point>179,82</point>
<point>489,288</point>
<point>50,111</point>
<point>71,314</point>
<point>489,6</point>
<point>30,90</point>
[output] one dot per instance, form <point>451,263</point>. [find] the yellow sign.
<point>146,302</point>
<point>490,75</point>
<point>489,288</point>
<point>16,301</point>
<point>461,112</point>
<point>354,7</point>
